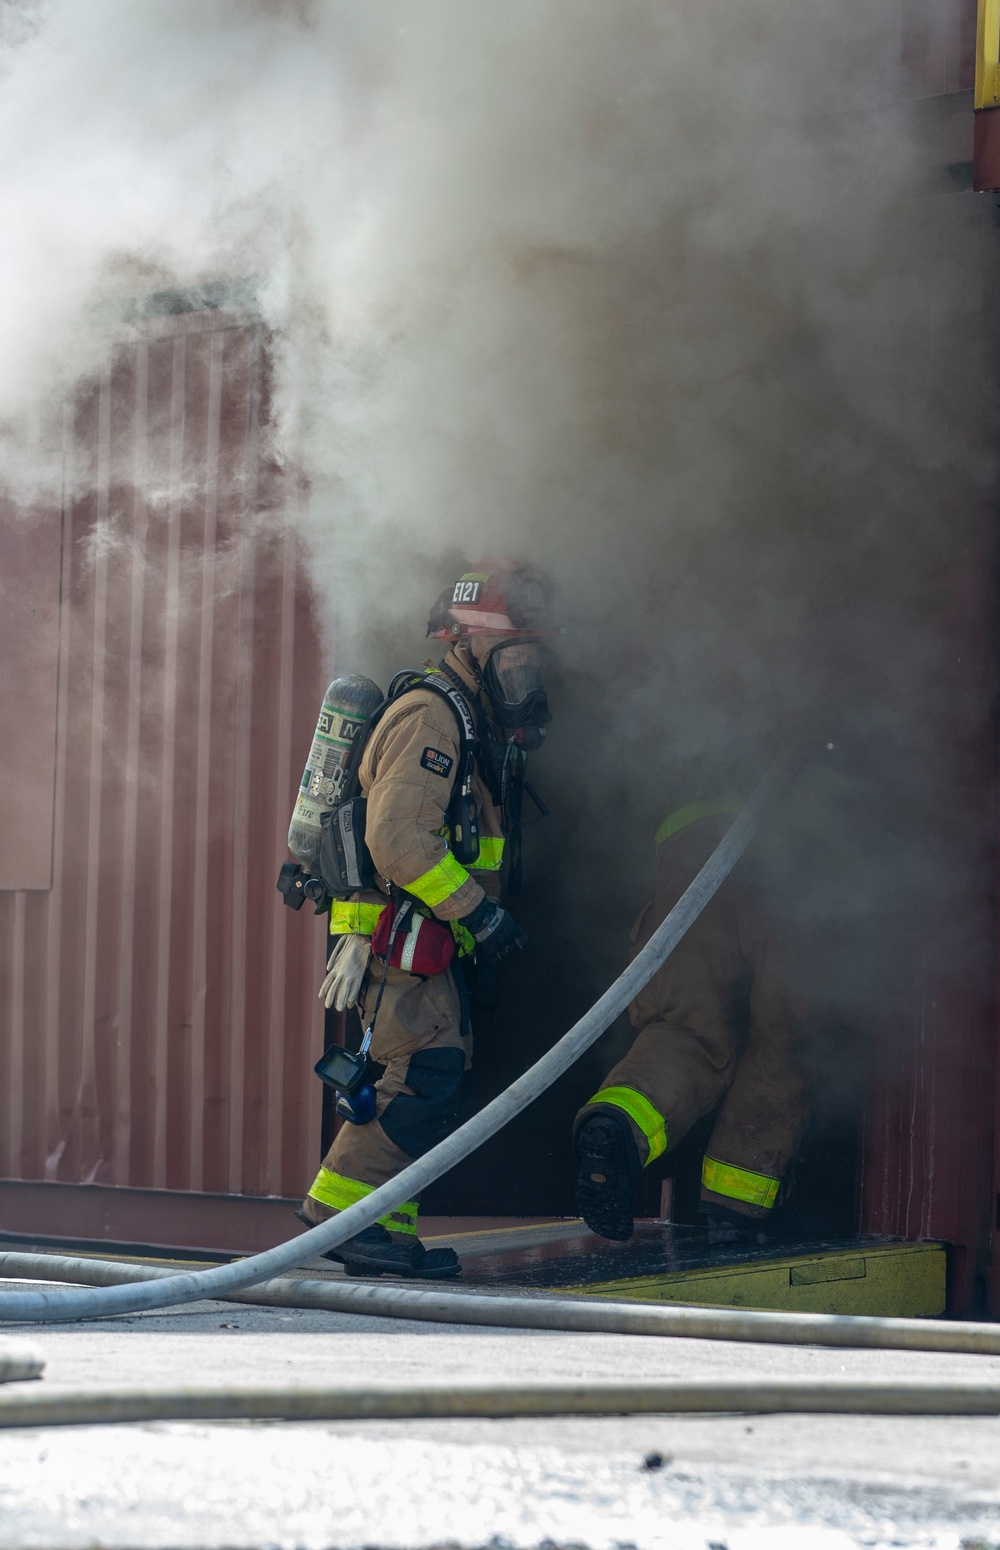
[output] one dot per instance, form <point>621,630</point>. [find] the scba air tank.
<point>347,704</point>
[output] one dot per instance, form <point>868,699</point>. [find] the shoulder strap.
<point>412,678</point>
<point>489,750</point>
<point>440,686</point>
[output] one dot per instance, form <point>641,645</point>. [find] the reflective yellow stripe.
<point>757,1189</point>
<point>490,858</point>
<point>338,1192</point>
<point>439,882</point>
<point>638,1107</point>
<point>685,816</point>
<point>987,92</point>
<point>349,918</point>
<point>402,1219</point>
<point>465,940</point>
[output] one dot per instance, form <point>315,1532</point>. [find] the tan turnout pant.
<point>719,1027</point>
<point>418,1038</point>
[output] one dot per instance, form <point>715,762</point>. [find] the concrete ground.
<point>758,1483</point>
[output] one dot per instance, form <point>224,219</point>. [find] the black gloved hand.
<point>494,928</point>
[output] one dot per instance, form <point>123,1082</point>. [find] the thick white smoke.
<point>586,281</point>
<point>649,293</point>
<point>670,296</point>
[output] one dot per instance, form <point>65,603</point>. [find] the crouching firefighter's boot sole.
<point>609,1167</point>
<point>375,1252</point>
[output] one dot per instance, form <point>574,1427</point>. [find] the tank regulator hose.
<point>61,1304</point>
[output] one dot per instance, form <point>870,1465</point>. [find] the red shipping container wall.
<point>931,46</point>
<point>930,1113</point>
<point>159,1019</point>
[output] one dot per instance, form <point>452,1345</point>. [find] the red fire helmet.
<point>495,597</point>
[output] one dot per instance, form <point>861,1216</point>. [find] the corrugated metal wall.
<point>159,1020</point>
<point>930,47</point>
<point>930,1119</point>
<point>930,1122</point>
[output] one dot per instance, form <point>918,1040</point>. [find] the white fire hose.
<point>62,1304</point>
<point>582,1314</point>
<point>296,1402</point>
<point>374,1402</point>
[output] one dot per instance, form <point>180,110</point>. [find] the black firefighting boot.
<point>375,1252</point>
<point>725,1226</point>
<point>609,1167</point>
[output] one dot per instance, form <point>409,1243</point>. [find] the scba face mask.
<point>512,674</point>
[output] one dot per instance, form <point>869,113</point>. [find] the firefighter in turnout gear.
<point>720,1027</point>
<point>493,619</point>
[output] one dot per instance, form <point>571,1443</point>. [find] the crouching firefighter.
<point>438,771</point>
<point>720,1027</point>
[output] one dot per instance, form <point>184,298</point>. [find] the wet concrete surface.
<point>823,1483</point>
<point>571,1256</point>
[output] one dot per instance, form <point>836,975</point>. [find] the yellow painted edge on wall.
<point>987,93</point>
<point>897,1280</point>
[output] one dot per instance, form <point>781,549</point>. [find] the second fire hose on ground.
<point>583,1315</point>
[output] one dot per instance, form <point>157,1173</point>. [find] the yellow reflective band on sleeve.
<point>439,882</point>
<point>338,1192</point>
<point>757,1189</point>
<point>638,1107</point>
<point>685,816</point>
<point>490,858</point>
<point>349,918</point>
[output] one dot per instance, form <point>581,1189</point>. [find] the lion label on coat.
<point>437,762</point>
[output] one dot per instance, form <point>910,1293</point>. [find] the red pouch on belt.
<point>419,945</point>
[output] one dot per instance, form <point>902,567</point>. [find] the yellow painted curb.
<point>895,1280</point>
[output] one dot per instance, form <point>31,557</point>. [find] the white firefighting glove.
<point>347,966</point>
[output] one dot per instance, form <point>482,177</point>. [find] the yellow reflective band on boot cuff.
<point>490,858</point>
<point>638,1107</point>
<point>757,1189</point>
<point>403,1219</point>
<point>349,918</point>
<point>438,882</point>
<point>338,1192</point>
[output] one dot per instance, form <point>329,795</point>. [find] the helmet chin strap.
<point>467,656</point>
<point>471,661</point>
